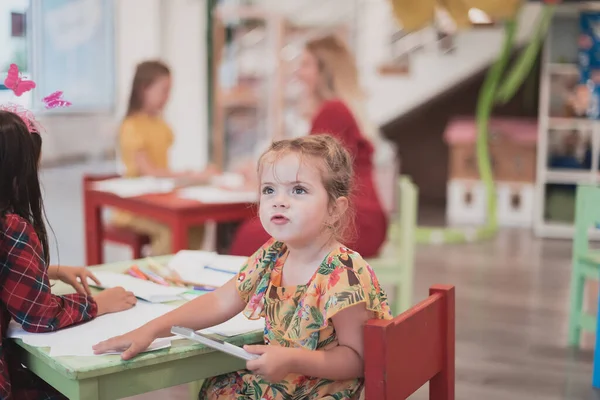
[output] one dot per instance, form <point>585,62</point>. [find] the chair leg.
<point>398,304</point>
<point>404,297</point>
<point>576,305</point>
<point>596,369</point>
<point>194,389</point>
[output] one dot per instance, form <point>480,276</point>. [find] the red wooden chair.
<point>117,234</point>
<point>417,347</point>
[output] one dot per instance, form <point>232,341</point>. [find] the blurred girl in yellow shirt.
<point>144,142</point>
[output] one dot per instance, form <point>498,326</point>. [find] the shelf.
<point>559,85</point>
<point>570,176</point>
<point>254,56</point>
<point>570,123</point>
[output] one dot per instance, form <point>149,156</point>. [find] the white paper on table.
<point>130,187</point>
<point>228,179</point>
<point>206,268</point>
<point>228,263</point>
<point>146,290</point>
<point>79,339</point>
<point>237,325</point>
<point>214,195</point>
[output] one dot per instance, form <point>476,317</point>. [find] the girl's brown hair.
<point>335,164</point>
<point>146,74</point>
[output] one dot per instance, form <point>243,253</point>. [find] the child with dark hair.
<point>25,294</point>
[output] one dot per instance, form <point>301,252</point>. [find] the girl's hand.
<point>274,363</point>
<point>114,300</point>
<point>131,343</point>
<point>74,276</point>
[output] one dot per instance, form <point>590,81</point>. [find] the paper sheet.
<point>207,268</point>
<point>228,179</point>
<point>237,325</point>
<point>130,187</point>
<point>78,340</point>
<point>214,195</point>
<point>228,263</point>
<point>146,290</point>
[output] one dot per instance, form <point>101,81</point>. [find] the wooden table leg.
<point>179,231</point>
<point>93,231</point>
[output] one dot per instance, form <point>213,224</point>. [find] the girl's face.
<point>157,94</point>
<point>308,72</point>
<point>293,200</point>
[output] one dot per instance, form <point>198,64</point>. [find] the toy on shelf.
<point>513,144</point>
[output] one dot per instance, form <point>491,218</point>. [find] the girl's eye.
<point>267,190</point>
<point>299,190</point>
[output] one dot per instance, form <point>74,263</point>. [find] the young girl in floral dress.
<point>314,293</point>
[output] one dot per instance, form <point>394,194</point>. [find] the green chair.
<point>586,262</point>
<point>395,264</point>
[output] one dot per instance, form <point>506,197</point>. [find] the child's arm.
<point>204,311</point>
<point>25,289</point>
<point>344,361</point>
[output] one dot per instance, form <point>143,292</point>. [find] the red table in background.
<point>178,213</point>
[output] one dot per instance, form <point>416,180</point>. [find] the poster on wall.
<point>74,52</point>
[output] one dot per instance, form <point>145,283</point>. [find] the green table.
<point>108,377</point>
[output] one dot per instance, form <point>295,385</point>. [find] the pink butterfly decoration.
<point>55,100</point>
<point>16,83</point>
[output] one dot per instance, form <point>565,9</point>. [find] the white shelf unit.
<point>559,67</point>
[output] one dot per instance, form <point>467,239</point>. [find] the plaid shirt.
<point>25,296</point>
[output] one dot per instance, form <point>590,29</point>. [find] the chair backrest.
<point>417,347</point>
<point>386,167</point>
<point>405,238</point>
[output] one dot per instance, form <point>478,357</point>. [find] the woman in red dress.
<point>335,105</point>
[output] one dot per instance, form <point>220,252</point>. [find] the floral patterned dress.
<point>299,316</point>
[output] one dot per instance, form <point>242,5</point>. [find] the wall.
<point>173,30</point>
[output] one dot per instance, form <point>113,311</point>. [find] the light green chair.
<point>395,265</point>
<point>586,262</point>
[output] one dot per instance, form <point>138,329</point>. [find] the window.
<point>17,24</point>
<point>64,45</point>
<point>13,45</point>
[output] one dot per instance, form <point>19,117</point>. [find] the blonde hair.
<point>339,79</point>
<point>336,172</point>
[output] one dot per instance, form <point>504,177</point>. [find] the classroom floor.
<point>512,301</point>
